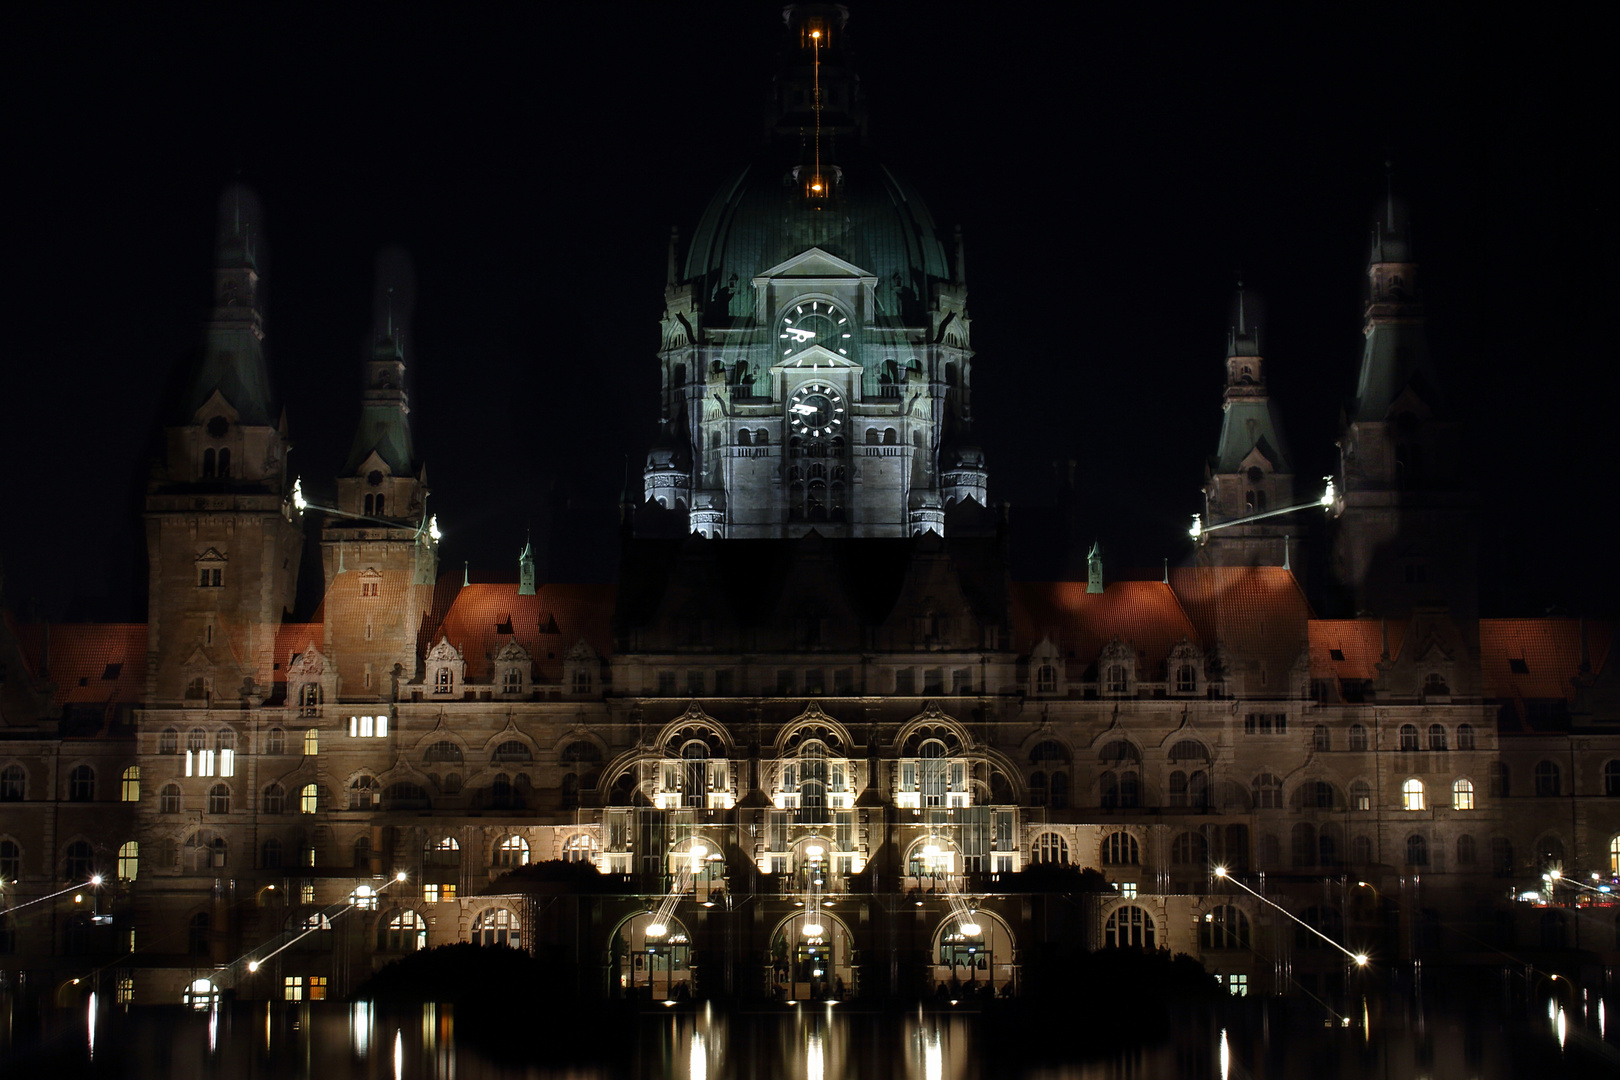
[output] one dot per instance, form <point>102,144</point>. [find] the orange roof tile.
<point>483,618</point>
<point>1538,658</point>
<point>1144,614</point>
<point>1257,612</point>
<point>1351,648</point>
<point>89,663</point>
<point>293,638</point>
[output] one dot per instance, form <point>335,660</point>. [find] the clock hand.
<point>804,410</point>
<point>799,335</point>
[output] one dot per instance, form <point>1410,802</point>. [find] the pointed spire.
<point>384,428</point>
<point>1094,568</point>
<point>233,363</point>
<point>526,569</point>
<point>466,573</point>
<point>1287,556</point>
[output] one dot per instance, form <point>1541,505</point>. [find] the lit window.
<point>1360,795</point>
<point>404,932</point>
<point>308,801</point>
<point>292,988</point>
<point>317,988</point>
<point>579,848</point>
<point>443,681</point>
<point>131,789</point>
<point>1237,985</point>
<point>306,892</point>
<point>512,851</point>
<point>126,987</point>
<point>129,860</point>
<point>1412,794</point>
<point>1127,889</point>
<point>368,727</point>
<point>312,742</point>
<point>496,926</point>
<point>364,898</point>
<point>1462,795</point>
<point>225,751</point>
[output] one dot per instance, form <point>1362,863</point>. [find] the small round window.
<point>374,477</point>
<point>218,426</point>
<point>1255,475</point>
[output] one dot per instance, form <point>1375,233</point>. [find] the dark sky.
<point>1113,167</point>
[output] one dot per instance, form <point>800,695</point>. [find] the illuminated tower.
<point>223,538</point>
<point>378,551</point>
<point>1405,536</point>
<point>1252,471</point>
<point>816,359</point>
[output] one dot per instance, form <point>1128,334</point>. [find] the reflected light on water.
<point>814,1064</point>
<point>360,1028</point>
<point>399,1053</point>
<point>91,1020</point>
<point>1225,1056</point>
<point>1602,1034</point>
<point>1563,1028</point>
<point>698,1059</point>
<point>933,1057</point>
<point>213,1027</point>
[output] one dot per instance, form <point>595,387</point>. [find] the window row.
<point>80,861</point>
<point>81,784</point>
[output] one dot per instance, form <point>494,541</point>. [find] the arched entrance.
<point>653,959</point>
<point>810,958</point>
<point>973,955</point>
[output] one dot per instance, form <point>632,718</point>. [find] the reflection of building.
<point>815,746</point>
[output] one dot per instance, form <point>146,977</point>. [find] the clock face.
<point>814,322</point>
<point>817,410</point>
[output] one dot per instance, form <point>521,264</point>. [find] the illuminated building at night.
<point>816,740</point>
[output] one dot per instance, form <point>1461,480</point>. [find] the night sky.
<point>1113,167</point>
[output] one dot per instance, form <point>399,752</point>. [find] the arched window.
<point>1267,792</point>
<point>1547,779</point>
<point>1178,788</point>
<point>130,787</point>
<point>129,860</point>
<point>1360,795</point>
<point>1409,738</point>
<point>404,931</point>
<point>1358,737</point>
<point>1049,847</point>
<point>1130,790</point>
<point>1417,851</point>
<point>169,799</point>
<point>224,462</point>
<point>496,926</point>
<point>1186,679</point>
<point>168,741</point>
<point>1321,738</point>
<point>512,851</point>
<point>1129,927</point>
<point>512,681</point>
<point>1437,737</point>
<point>1467,851</point>
<point>78,861</point>
<point>1107,790</point>
<point>1614,856</point>
<point>1500,780</point>
<point>512,750</point>
<point>442,854</point>
<point>1412,794</point>
<point>931,767</point>
<point>308,799</point>
<point>82,784</point>
<point>580,847</point>
<point>443,750</point>
<point>275,741</point>
<point>1121,849</point>
<point>196,740</point>
<point>364,792</point>
<point>275,799</point>
<point>1462,794</point>
<point>219,799</point>
<point>13,784</point>
<point>209,459</point>
<point>1224,927</point>
<point>1361,851</point>
<point>1465,737</point>
<point>1046,679</point>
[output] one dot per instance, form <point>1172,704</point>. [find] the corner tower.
<point>379,551</point>
<point>1404,538</point>
<point>223,537</point>
<point>1252,472</point>
<point>816,357</point>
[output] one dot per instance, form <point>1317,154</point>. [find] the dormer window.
<point>512,681</point>
<point>211,570</point>
<point>442,681</point>
<point>1046,679</point>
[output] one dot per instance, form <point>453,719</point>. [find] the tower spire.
<point>233,363</point>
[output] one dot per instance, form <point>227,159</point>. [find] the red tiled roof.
<point>1256,612</point>
<point>293,638</point>
<point>483,618</point>
<point>1548,651</point>
<point>1144,614</point>
<point>1359,641</point>
<point>99,663</point>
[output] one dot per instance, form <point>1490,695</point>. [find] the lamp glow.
<point>433,528</point>
<point>815,851</point>
<point>1360,959</point>
<point>398,876</point>
<point>813,929</point>
<point>971,929</point>
<point>1220,871</point>
<point>253,965</point>
<point>95,879</point>
<point>298,495</point>
<point>657,929</point>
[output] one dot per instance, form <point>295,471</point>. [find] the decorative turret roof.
<point>1250,422</point>
<point>1395,362</point>
<point>232,363</point>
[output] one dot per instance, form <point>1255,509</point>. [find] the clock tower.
<point>816,357</point>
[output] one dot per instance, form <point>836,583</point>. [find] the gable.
<point>813,263</point>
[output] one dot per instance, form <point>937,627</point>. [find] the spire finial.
<point>1286,561</point>
<point>466,573</point>
<point>390,311</point>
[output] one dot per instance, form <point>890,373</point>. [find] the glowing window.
<point>1462,795</point>
<point>512,851</point>
<point>308,799</point>
<point>496,926</point>
<point>130,791</point>
<point>129,860</point>
<point>1412,794</point>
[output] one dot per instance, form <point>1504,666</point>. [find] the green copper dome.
<point>760,218</point>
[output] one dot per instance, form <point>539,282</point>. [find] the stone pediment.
<point>512,653</point>
<point>1256,458</point>
<point>374,463</point>
<point>814,358</point>
<point>216,405</point>
<point>814,263</point>
<point>211,555</point>
<point>307,664</point>
<point>444,652</point>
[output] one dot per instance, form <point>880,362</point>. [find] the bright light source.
<point>1556,875</point>
<point>668,1004</point>
<point>1220,871</point>
<point>815,851</point>
<point>1361,959</point>
<point>931,850</point>
<point>398,876</point>
<point>433,527</point>
<point>78,898</point>
<point>95,879</point>
<point>298,495</point>
<point>1329,496</point>
<point>699,850</point>
<point>253,965</point>
<point>813,929</point>
<point>816,34</point>
<point>657,929</point>
<point>971,929</point>
<point>1197,529</point>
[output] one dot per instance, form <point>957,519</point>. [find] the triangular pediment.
<point>816,356</point>
<point>814,263</point>
<point>211,555</point>
<point>1257,458</point>
<point>374,463</point>
<point>216,405</point>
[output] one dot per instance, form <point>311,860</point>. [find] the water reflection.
<point>333,1041</point>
